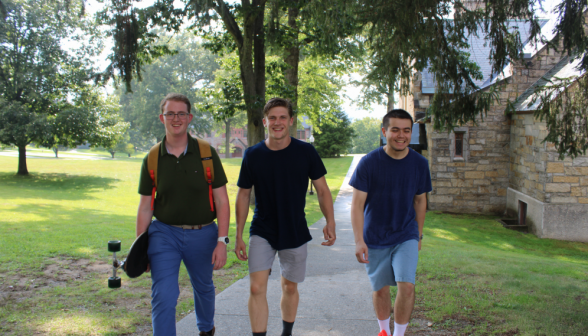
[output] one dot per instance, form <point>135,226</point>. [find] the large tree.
<point>238,26</point>
<point>367,134</point>
<point>39,79</point>
<point>189,70</point>
<point>335,136</point>
<point>135,41</point>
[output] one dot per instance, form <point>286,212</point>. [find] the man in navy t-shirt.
<point>279,168</point>
<point>388,213</point>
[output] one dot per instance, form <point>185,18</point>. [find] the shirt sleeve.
<point>145,182</point>
<point>245,180</point>
<point>220,178</point>
<point>317,167</point>
<point>425,180</point>
<point>360,178</point>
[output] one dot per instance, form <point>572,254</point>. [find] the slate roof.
<point>479,53</point>
<point>567,67</point>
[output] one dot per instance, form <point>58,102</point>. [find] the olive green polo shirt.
<point>182,191</point>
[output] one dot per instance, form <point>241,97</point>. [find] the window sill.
<point>458,159</point>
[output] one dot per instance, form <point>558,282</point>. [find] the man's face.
<point>398,133</point>
<point>278,122</point>
<point>174,124</point>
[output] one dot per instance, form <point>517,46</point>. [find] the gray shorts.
<point>292,261</point>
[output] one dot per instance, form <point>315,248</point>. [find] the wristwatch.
<point>421,238</point>
<point>224,239</point>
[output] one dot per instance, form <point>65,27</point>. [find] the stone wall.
<point>477,182</point>
<point>537,170</point>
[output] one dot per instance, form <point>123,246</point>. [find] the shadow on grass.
<point>486,231</point>
<point>58,185</point>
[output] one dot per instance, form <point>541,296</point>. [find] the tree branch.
<point>229,20</point>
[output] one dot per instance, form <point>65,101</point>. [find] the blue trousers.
<point>168,246</point>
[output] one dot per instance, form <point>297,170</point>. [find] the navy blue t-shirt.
<point>391,185</point>
<point>281,181</point>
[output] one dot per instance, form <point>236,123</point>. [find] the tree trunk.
<point>112,153</point>
<point>228,138</point>
<point>292,58</point>
<point>56,151</point>
<point>252,65</point>
<point>390,99</point>
<point>22,160</point>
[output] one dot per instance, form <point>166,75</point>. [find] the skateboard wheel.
<point>114,246</point>
<point>114,282</point>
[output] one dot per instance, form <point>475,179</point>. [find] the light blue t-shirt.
<point>391,185</point>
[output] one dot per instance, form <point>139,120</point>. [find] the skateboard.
<point>134,264</point>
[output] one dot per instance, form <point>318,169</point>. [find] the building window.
<point>244,133</point>
<point>458,145</point>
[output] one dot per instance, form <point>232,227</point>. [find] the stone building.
<point>500,165</point>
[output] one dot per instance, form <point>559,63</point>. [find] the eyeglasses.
<point>181,115</point>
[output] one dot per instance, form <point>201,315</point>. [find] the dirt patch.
<point>420,326</point>
<point>57,273</point>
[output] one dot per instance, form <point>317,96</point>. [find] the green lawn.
<point>54,228</point>
<point>475,277</point>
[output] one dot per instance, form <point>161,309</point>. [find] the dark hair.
<point>175,97</point>
<point>398,114</point>
<point>275,102</point>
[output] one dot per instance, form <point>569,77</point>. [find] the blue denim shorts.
<point>394,264</point>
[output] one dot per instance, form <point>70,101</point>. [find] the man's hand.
<point>241,249</point>
<point>148,268</point>
<point>361,252</point>
<point>329,235</point>
<point>219,256</point>
<point>420,245</point>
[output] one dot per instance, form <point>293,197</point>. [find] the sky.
<point>349,92</point>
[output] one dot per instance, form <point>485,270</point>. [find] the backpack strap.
<point>152,161</point>
<point>206,156</point>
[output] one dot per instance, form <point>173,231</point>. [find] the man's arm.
<point>326,204</point>
<point>223,214</point>
<point>242,210</point>
<point>420,207</point>
<point>144,215</point>
<point>357,217</point>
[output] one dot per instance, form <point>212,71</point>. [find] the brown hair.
<point>175,97</point>
<point>275,102</point>
<point>398,114</point>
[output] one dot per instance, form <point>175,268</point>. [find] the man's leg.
<point>261,258</point>
<point>290,298</point>
<point>258,309</point>
<point>381,277</point>
<point>382,303</point>
<point>198,247</point>
<point>404,263</point>
<point>293,270</point>
<point>404,303</point>
<point>164,257</point>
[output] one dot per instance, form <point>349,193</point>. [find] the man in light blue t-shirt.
<point>388,213</point>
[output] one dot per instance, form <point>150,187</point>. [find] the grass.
<point>477,278</point>
<point>54,228</point>
<point>474,277</point>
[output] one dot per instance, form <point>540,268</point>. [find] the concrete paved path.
<point>335,298</point>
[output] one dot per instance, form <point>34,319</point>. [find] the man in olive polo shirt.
<point>183,227</point>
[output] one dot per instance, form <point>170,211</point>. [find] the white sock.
<point>399,329</point>
<point>385,325</point>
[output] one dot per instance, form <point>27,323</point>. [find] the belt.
<point>192,227</point>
